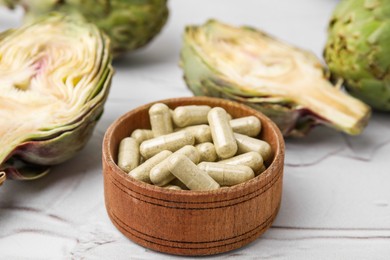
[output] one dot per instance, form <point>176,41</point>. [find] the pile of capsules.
<point>194,147</point>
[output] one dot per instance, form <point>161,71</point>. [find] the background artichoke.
<point>129,23</point>
<point>55,77</point>
<point>286,83</point>
<point>358,49</point>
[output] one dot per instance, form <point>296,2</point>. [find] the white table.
<point>336,194</point>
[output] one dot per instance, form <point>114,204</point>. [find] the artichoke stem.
<point>3,177</point>
<point>336,107</point>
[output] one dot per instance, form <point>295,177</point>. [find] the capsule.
<point>172,187</point>
<point>222,133</point>
<point>201,133</point>
<point>226,174</point>
<point>128,154</point>
<point>190,115</point>
<point>160,119</point>
<point>171,142</point>
<point>249,125</point>
<point>142,172</point>
<point>141,135</point>
<point>250,144</point>
<point>207,152</point>
<point>160,174</point>
<point>250,159</point>
<point>187,172</point>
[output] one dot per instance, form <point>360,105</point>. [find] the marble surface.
<point>336,195</point>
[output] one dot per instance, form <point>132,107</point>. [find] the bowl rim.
<point>109,160</point>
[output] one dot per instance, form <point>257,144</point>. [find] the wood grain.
<point>190,222</point>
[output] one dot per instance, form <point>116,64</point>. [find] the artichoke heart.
<point>54,80</point>
<point>286,83</point>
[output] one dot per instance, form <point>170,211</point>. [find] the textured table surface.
<point>336,194</point>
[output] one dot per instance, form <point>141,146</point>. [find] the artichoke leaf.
<point>19,170</point>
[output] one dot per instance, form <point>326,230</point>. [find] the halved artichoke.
<point>286,83</point>
<point>54,80</point>
<point>130,24</point>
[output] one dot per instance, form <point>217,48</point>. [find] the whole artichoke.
<point>130,24</point>
<point>286,83</point>
<point>358,49</point>
<point>55,77</point>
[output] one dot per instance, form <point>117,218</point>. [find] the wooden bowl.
<point>191,222</point>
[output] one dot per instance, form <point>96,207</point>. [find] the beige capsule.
<point>227,174</point>
<point>190,115</point>
<point>160,119</point>
<point>250,159</point>
<point>222,133</point>
<point>142,172</point>
<point>171,142</point>
<point>160,174</point>
<point>250,144</point>
<point>128,154</point>
<point>187,172</point>
<point>207,152</point>
<point>249,125</point>
<point>141,135</point>
<point>201,133</point>
<point>172,187</point>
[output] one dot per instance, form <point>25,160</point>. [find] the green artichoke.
<point>55,77</point>
<point>286,83</point>
<point>130,24</point>
<point>358,49</point>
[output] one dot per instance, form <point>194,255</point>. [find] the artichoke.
<point>358,49</point>
<point>286,83</point>
<point>130,24</point>
<point>55,77</point>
